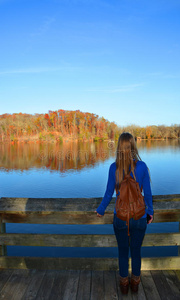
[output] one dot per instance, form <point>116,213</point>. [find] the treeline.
<point>154,132</point>
<point>62,125</point>
<point>56,125</point>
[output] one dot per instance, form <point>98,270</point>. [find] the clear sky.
<point>119,59</point>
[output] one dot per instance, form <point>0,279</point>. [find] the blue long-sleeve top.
<point>142,177</point>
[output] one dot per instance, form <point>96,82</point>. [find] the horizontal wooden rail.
<point>83,240</point>
<point>85,263</point>
<point>79,211</point>
<point>76,211</point>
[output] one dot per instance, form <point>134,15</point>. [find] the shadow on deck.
<point>31,284</point>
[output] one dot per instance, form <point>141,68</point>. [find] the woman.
<point>128,159</point>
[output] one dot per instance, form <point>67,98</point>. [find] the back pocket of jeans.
<point>118,223</point>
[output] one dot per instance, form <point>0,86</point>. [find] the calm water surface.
<point>81,170</point>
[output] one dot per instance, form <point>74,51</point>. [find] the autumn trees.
<point>55,124</point>
<point>74,125</point>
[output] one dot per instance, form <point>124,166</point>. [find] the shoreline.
<point>27,141</point>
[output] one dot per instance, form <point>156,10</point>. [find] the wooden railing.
<point>79,211</point>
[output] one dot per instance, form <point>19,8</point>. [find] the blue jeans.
<point>137,229</point>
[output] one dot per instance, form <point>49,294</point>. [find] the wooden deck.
<point>52,278</point>
<point>31,284</point>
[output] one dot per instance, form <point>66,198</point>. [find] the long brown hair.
<point>126,156</point>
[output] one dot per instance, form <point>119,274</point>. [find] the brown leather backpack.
<point>130,202</point>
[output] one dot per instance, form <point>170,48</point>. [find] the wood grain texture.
<point>3,248</point>
<point>59,285</point>
<point>73,263</point>
<point>45,288</point>
<point>149,286</point>
<point>163,287</point>
<point>97,285</point>
<point>71,286</point>
<point>58,263</point>
<point>85,285</point>
<point>34,284</point>
<point>177,272</point>
<point>16,285</point>
<point>76,210</point>
<point>173,282</point>
<point>83,240</point>
<point>4,277</point>
<point>110,287</point>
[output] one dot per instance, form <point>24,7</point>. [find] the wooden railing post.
<point>3,248</point>
<point>179,246</point>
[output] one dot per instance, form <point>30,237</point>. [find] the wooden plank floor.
<point>19,284</point>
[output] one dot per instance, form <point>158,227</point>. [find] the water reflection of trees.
<point>158,144</point>
<point>58,157</point>
<point>70,155</point>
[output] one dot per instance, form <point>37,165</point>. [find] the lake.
<point>80,169</point>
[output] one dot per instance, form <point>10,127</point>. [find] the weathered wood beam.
<point>3,250</point>
<point>75,211</point>
<point>79,217</point>
<point>83,240</point>
<point>74,204</point>
<point>110,264</point>
<point>179,245</point>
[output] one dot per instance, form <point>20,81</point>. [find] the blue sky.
<point>119,59</point>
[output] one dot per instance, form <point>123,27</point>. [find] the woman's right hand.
<point>150,221</point>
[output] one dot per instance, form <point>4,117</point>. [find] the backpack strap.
<point>133,176</point>
<point>127,223</point>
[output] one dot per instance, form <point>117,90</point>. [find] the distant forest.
<point>72,125</point>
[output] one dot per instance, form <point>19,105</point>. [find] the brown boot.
<point>124,284</point>
<point>135,280</point>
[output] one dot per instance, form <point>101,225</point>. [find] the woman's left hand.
<point>98,215</point>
